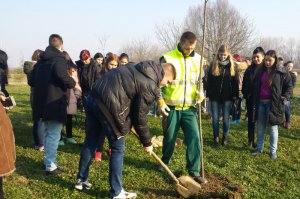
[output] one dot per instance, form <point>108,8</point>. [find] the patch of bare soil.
<point>217,187</point>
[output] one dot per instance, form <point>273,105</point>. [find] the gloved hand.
<point>200,97</point>
<point>163,107</point>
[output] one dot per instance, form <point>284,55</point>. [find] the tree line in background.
<point>225,25</point>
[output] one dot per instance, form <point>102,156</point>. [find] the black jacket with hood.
<point>50,81</point>
<point>88,74</point>
<point>125,94</point>
<point>281,90</point>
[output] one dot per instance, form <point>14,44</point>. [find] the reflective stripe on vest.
<point>181,92</point>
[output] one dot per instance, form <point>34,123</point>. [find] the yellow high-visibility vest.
<point>181,92</point>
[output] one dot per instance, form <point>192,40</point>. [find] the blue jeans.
<point>96,123</point>
<point>51,139</point>
<point>262,121</point>
<point>216,109</point>
<point>287,111</point>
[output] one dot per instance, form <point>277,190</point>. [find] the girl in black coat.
<point>248,94</point>
<point>273,87</point>
<point>222,88</point>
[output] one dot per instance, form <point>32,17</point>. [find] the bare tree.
<point>140,50</point>
<point>168,34</point>
<point>225,25</point>
<point>102,42</point>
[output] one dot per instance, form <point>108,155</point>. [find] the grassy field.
<point>232,171</point>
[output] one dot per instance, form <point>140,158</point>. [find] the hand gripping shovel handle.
<point>159,161</point>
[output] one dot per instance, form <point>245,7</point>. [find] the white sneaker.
<point>80,185</point>
<point>124,195</point>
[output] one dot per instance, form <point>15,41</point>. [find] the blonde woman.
<point>222,89</point>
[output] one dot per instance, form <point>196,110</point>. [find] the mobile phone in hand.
<point>9,102</point>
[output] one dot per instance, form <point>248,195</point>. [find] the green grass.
<point>234,165</point>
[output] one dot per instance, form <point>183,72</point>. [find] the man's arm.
<point>139,120</point>
<point>60,71</point>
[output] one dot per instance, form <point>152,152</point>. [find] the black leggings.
<point>1,189</point>
<point>69,126</point>
<point>3,81</point>
<point>100,142</point>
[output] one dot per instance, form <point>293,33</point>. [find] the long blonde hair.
<point>216,65</point>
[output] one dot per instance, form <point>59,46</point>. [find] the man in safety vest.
<point>178,102</point>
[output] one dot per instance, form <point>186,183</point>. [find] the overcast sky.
<point>26,25</point>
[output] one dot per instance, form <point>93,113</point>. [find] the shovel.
<point>185,185</point>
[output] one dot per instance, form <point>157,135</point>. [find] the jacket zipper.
<point>184,82</point>
<point>222,80</point>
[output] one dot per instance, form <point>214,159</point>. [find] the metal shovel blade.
<point>190,184</point>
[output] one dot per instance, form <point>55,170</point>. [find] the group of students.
<point>267,87</point>
<point>87,70</point>
<point>116,99</point>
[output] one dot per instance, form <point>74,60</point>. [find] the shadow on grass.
<point>140,163</point>
<point>32,169</point>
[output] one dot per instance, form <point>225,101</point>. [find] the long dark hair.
<point>272,53</point>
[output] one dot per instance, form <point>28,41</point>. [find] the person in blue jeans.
<point>118,101</point>
<point>50,81</point>
<point>249,94</point>
<point>222,89</point>
<point>287,105</point>
<point>273,86</point>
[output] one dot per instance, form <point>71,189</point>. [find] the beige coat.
<point>74,94</point>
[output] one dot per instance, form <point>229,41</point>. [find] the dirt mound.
<point>216,187</point>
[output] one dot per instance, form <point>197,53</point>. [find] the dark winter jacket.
<point>248,92</point>
<point>28,68</point>
<point>294,80</point>
<point>50,81</point>
<point>223,87</point>
<point>88,74</point>
<point>281,90</point>
<point>3,67</point>
<point>125,94</point>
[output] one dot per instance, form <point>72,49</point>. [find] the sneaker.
<point>256,152</point>
<point>150,113</point>
<point>80,185</point>
<point>124,195</point>
<point>200,180</point>
<point>55,172</point>
<point>98,156</point>
<point>273,155</point>
<point>224,141</point>
<point>288,125</point>
<point>39,148</point>
<point>71,141</point>
<point>61,143</point>
<point>216,140</point>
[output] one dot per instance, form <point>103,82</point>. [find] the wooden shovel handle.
<point>159,161</point>
<point>165,167</point>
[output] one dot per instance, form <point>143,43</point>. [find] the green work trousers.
<point>188,121</point>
